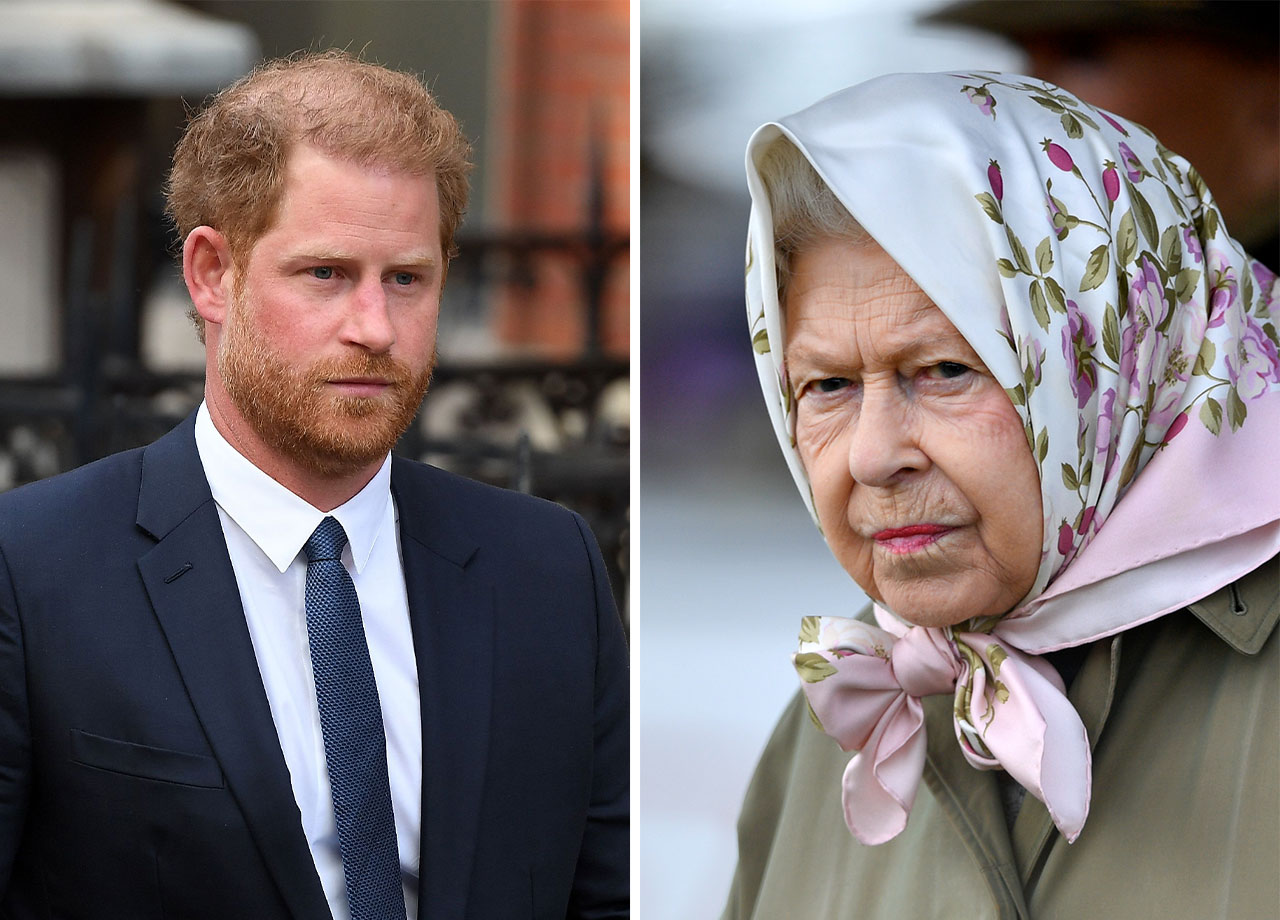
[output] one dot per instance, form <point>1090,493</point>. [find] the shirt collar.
<point>275,519</point>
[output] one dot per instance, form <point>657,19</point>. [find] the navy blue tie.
<point>355,748</point>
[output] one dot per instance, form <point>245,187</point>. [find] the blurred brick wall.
<point>561,76</point>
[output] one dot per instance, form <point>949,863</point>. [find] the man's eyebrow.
<point>423,258</point>
<point>417,259</point>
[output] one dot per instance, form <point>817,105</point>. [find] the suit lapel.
<point>192,587</point>
<point>451,612</point>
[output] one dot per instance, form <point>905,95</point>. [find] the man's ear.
<point>208,271</point>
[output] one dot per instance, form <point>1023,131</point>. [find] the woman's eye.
<point>322,272</point>
<point>831,384</point>
<point>949,370</point>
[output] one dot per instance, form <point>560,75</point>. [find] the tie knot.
<point>326,541</point>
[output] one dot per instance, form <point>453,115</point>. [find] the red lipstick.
<point>911,538</point>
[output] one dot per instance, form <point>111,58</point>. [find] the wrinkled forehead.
<point>854,291</point>
<point>907,175</point>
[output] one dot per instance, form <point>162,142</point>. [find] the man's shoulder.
<point>70,496</point>
<point>429,496</point>
<point>413,480</point>
<point>80,520</point>
<point>109,486</point>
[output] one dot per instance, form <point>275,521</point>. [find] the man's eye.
<point>831,384</point>
<point>322,272</point>
<point>403,278</point>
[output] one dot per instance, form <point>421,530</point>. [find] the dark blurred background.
<point>730,559</point>
<point>96,353</point>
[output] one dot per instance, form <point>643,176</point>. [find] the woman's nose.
<point>884,444</point>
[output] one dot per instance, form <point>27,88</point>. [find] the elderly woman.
<point>1029,388</point>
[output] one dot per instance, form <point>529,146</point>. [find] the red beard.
<point>295,412</point>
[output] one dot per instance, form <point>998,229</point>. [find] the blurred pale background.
<point>729,558</point>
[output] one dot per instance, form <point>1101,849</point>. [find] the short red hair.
<point>229,167</point>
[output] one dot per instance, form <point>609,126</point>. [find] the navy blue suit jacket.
<point>140,771</point>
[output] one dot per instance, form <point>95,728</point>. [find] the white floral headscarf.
<point>1088,267</point>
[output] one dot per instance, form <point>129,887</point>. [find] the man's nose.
<point>369,323</point>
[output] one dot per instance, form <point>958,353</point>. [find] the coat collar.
<point>173,486</point>
<point>1244,614</point>
<point>193,590</point>
<point>451,603</point>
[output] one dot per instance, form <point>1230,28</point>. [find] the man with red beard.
<point>263,669</point>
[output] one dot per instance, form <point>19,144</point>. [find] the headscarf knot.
<point>924,662</point>
<point>864,685</point>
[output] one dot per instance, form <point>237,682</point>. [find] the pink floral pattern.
<point>1058,156</point>
<point>985,102</point>
<point>1253,367</point>
<point>1110,180</point>
<point>1132,165</point>
<point>1191,242</point>
<point>1079,339</point>
<point>1115,124</point>
<point>996,180</point>
<point>1223,290</point>
<point>1133,323</point>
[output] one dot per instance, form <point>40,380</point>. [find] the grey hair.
<point>805,210</point>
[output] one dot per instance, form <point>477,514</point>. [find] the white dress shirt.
<point>265,526</point>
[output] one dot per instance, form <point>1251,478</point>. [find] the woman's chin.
<point>949,607</point>
<point>934,618</point>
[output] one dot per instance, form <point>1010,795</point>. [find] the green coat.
<point>1183,715</point>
